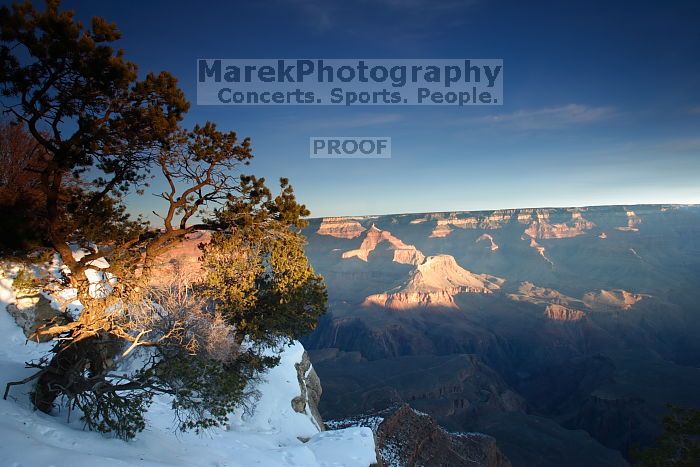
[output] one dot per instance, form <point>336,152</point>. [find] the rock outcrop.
<point>542,229</point>
<point>529,292</point>
<point>495,220</point>
<point>524,216</point>
<point>182,259</point>
<point>434,283</point>
<point>488,238</point>
<point>311,390</point>
<point>410,438</point>
<point>542,251</point>
<point>403,253</point>
<point>563,313</point>
<point>617,299</point>
<point>557,306</point>
<point>632,222</point>
<point>563,307</point>
<point>442,229</point>
<point>340,227</point>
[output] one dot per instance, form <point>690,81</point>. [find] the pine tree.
<point>103,133</point>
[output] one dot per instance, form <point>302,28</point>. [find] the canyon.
<point>558,333</point>
<point>434,283</point>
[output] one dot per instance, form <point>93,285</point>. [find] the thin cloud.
<point>682,145</point>
<point>550,117</point>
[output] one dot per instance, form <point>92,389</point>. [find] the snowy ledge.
<point>269,437</point>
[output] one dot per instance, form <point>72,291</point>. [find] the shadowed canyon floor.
<point>562,333</point>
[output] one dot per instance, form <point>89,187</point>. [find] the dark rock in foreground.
<point>405,437</point>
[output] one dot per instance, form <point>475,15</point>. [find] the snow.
<point>274,412</point>
<point>268,437</point>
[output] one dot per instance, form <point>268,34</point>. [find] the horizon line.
<point>509,209</point>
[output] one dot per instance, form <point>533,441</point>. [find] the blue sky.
<point>602,98</point>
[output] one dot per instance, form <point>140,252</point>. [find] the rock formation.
<point>540,250</point>
<point>311,390</point>
<point>529,292</point>
<point>403,253</point>
<point>182,259</point>
<point>524,216</point>
<point>560,306</point>
<point>542,229</point>
<point>616,299</point>
<point>563,313</point>
<point>632,222</point>
<point>442,229</point>
<point>341,227</point>
<point>495,220</point>
<point>411,438</point>
<point>488,238</point>
<point>434,283</point>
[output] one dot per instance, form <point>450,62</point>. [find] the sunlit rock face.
<point>557,306</point>
<point>181,260</point>
<point>524,216</point>
<point>492,221</point>
<point>633,222</point>
<point>434,283</point>
<point>488,239</point>
<point>563,313</point>
<point>542,251</point>
<point>617,299</point>
<point>497,219</point>
<point>340,227</point>
<point>542,229</point>
<point>442,229</point>
<point>529,292</point>
<point>561,307</point>
<point>403,254</point>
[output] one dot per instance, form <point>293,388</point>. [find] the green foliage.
<point>261,281</point>
<point>101,130</point>
<point>105,222</point>
<point>679,445</point>
<point>256,207</point>
<point>98,125</point>
<point>206,391</point>
<point>112,412</point>
<point>65,73</point>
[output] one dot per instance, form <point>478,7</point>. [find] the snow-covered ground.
<point>269,437</point>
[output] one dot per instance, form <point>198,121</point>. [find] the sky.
<point>601,98</point>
